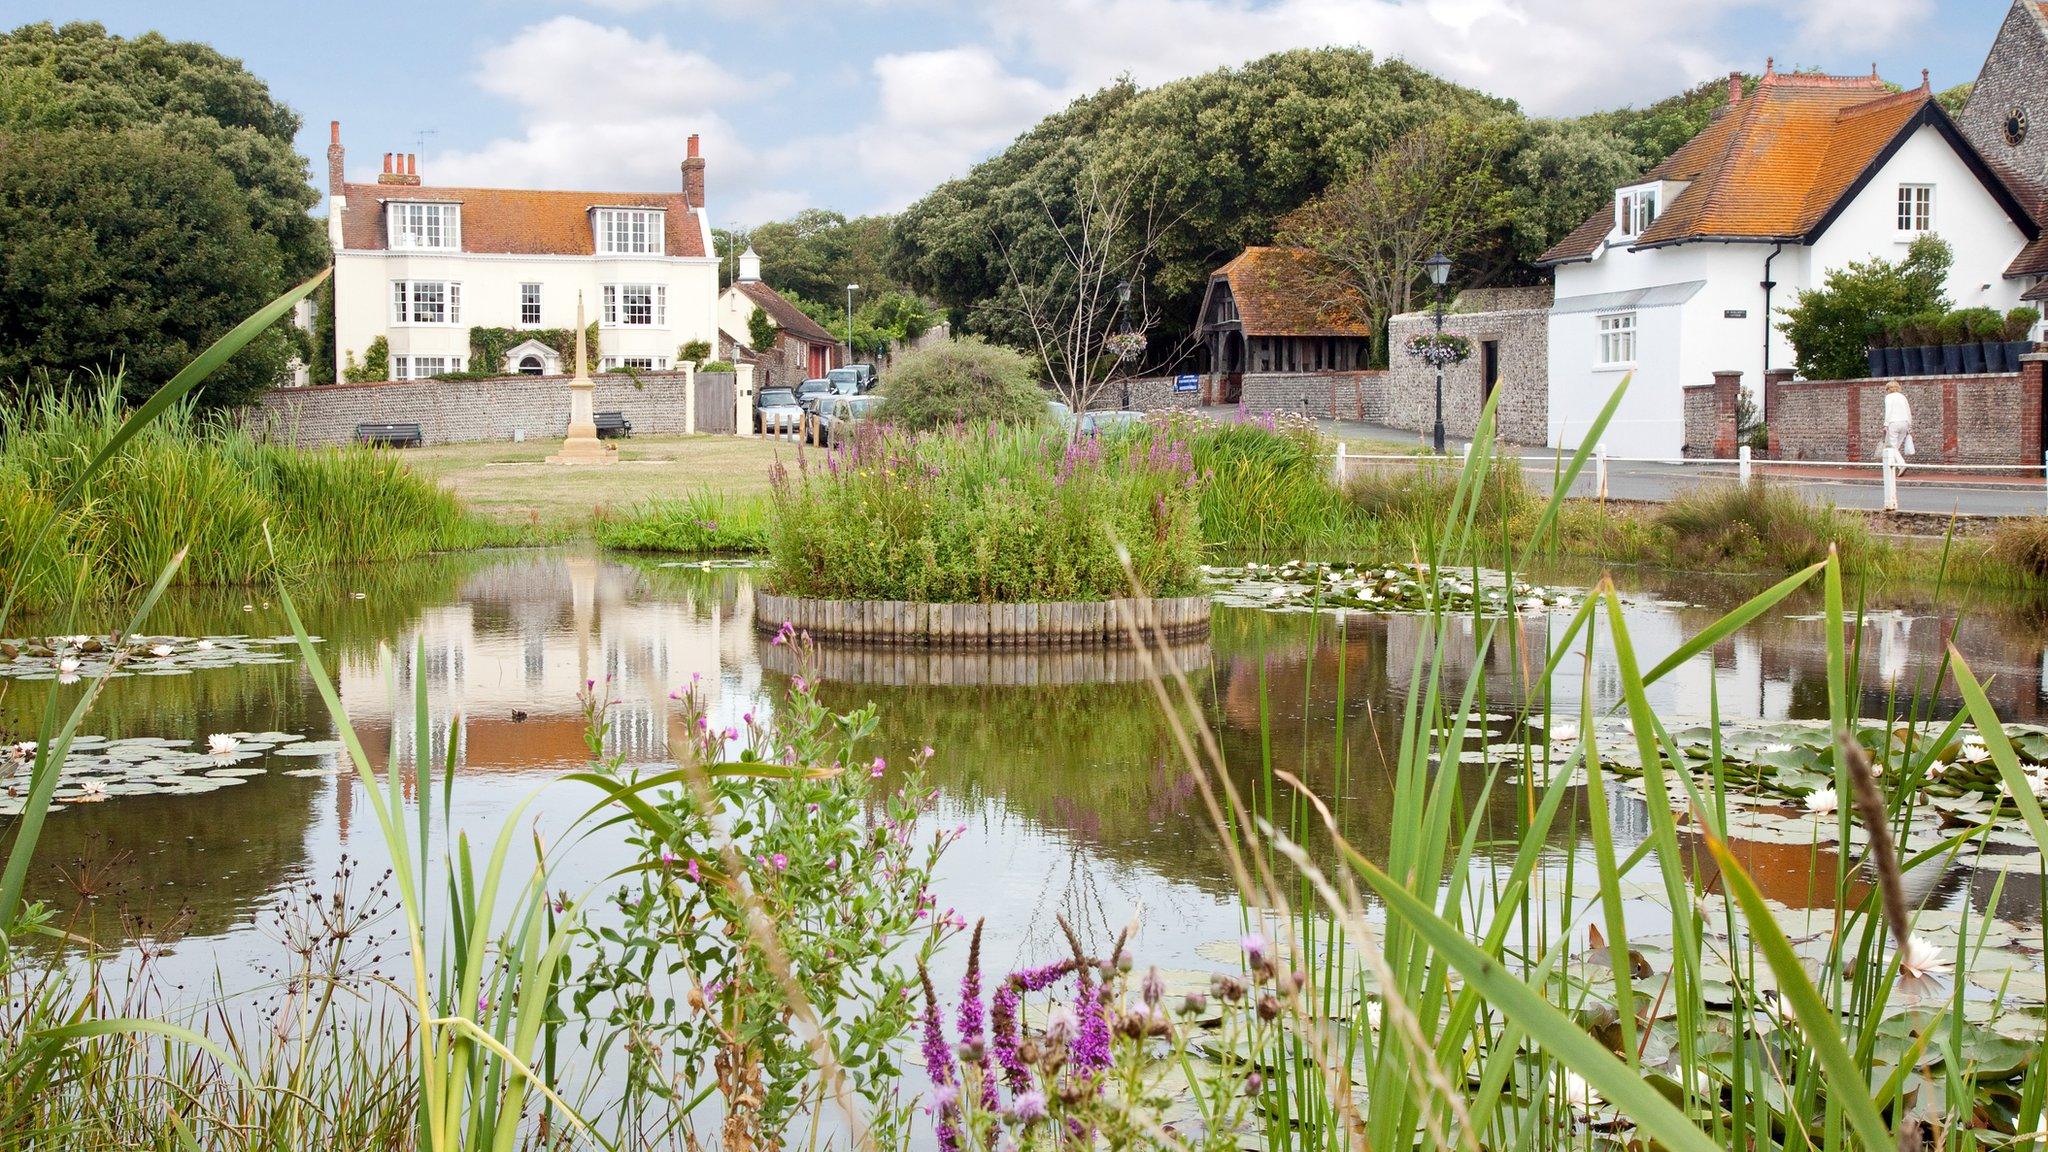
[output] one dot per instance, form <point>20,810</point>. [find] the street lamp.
<point>1439,267</point>
<point>1123,304</point>
<point>850,290</point>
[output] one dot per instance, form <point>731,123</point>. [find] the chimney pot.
<point>335,156</point>
<point>387,163</point>
<point>1735,87</point>
<point>693,144</point>
<point>334,131</point>
<point>693,174</point>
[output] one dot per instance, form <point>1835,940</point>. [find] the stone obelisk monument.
<point>581,445</point>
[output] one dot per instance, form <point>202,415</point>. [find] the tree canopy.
<point>102,264</point>
<point>818,252</point>
<point>1229,153</point>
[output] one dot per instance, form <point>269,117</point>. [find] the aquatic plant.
<point>699,523</point>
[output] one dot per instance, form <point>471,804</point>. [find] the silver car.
<point>835,416</point>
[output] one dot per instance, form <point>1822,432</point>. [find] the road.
<point>2011,493</point>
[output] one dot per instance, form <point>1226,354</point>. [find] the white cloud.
<point>939,111</point>
<point>1852,24</point>
<point>603,108</point>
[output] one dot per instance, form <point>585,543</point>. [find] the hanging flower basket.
<point>1125,346</point>
<point>1439,349</point>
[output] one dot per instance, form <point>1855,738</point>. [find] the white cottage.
<point>420,266</point>
<point>1678,277</point>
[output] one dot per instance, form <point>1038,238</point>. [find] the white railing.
<point>1745,467</point>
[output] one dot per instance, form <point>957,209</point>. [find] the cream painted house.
<point>420,266</point>
<point>1687,270</point>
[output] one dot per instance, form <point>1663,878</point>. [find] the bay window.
<point>426,302</point>
<point>636,305</point>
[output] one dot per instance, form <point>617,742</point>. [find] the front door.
<point>1489,369</point>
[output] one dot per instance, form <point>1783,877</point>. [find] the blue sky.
<point>861,105</point>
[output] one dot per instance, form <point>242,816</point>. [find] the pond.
<point>1075,802</point>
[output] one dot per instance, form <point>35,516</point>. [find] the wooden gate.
<point>716,394</point>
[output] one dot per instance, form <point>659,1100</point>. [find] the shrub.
<point>1757,528</point>
<point>988,515</point>
<point>963,382</point>
<point>2023,544</point>
<point>715,366</point>
<point>1831,326</point>
<point>695,352</point>
<point>1980,323</point>
<point>376,363</point>
<point>2019,323</point>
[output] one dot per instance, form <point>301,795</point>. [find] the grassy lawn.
<point>514,484</point>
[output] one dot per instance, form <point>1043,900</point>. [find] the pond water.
<point>1060,766</point>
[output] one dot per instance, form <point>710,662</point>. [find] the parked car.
<point>861,376</point>
<point>1094,423</point>
<point>835,416</point>
<point>777,408</point>
<point>807,393</point>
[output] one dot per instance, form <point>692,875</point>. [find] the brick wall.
<point>459,411</point>
<point>1987,419</point>
<point>1522,336</point>
<point>1699,419</point>
<point>1711,423</point>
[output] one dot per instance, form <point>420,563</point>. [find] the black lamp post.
<point>1439,267</point>
<point>850,290</point>
<point>1123,306</point>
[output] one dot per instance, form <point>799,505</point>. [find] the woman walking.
<point>1898,442</point>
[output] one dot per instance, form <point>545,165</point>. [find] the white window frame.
<point>529,297</point>
<point>1638,210</point>
<point>421,225</point>
<point>1616,333</point>
<point>422,367</point>
<point>408,299</point>
<point>1915,209</point>
<point>618,310</point>
<point>630,231</point>
<point>642,363</point>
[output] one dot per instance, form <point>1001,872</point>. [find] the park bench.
<point>390,435</point>
<point>612,425</point>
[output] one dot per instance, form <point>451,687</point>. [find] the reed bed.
<point>199,483</point>
<point>699,523</point>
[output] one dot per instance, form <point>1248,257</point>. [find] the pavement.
<point>1922,491</point>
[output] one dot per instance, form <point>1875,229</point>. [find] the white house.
<point>802,348</point>
<point>420,266</point>
<point>1682,274</point>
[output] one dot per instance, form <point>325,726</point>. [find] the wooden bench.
<point>612,425</point>
<point>390,435</point>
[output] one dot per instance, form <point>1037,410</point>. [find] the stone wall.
<point>1985,419</point>
<point>1711,420</point>
<point>459,411</point>
<point>1324,395</point>
<point>1153,394</point>
<point>1522,336</point>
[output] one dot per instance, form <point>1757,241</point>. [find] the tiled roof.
<point>1287,292</point>
<point>1777,165</point>
<point>786,315</point>
<point>518,220</point>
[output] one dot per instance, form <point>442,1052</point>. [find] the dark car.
<point>777,408</point>
<point>807,393</point>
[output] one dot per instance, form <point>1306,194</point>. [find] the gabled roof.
<point>1288,292</point>
<point>787,316</point>
<point>518,220</point>
<point>1781,164</point>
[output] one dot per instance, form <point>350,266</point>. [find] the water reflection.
<point>1079,797</point>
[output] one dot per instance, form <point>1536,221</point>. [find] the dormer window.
<point>629,231</point>
<point>1638,210</point>
<point>434,227</point>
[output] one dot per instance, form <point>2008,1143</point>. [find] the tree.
<point>962,381</point>
<point>79,77</point>
<point>1830,327</point>
<point>1434,190</point>
<point>1082,312</point>
<point>127,250</point>
<point>817,253</point>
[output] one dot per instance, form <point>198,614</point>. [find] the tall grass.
<point>987,515</point>
<point>200,483</point>
<point>701,523</point>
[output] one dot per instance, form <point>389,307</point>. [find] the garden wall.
<point>1983,419</point>
<point>1516,322</point>
<point>1360,395</point>
<point>461,411</point>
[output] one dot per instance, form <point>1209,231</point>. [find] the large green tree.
<point>77,88</point>
<point>818,252</point>
<point>126,250</point>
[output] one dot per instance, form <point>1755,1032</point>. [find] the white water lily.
<point>1921,960</point>
<point>92,792</point>
<point>67,670</point>
<point>204,645</point>
<point>222,744</point>
<point>160,650</point>
<point>1578,1093</point>
<point>1822,801</point>
<point>1975,751</point>
<point>1561,733</point>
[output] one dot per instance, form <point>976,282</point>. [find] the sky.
<point>863,105</point>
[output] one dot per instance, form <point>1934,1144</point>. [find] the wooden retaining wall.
<point>1075,624</point>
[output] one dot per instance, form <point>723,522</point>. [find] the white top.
<point>1896,410</point>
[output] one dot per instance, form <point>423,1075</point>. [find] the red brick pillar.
<point>1774,379</point>
<point>1727,386</point>
<point>2033,369</point>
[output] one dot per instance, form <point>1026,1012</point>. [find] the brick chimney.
<point>334,158</point>
<point>400,168</point>
<point>1734,88</point>
<point>693,175</point>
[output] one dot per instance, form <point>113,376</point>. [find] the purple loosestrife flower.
<point>1091,1046</point>
<point>1028,1108</point>
<point>938,1063</point>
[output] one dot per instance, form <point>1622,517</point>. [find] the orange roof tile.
<point>519,220</point>
<point>787,316</point>
<point>1780,163</point>
<point>1288,292</point>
